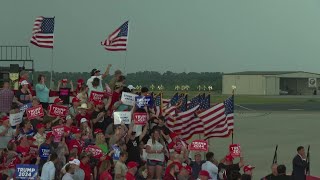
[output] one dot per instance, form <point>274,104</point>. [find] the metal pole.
<point>51,69</point>
<point>125,58</point>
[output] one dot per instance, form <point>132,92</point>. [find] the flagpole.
<point>50,85</point>
<point>232,130</point>
<point>125,57</point>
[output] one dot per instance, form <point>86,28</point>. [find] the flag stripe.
<point>43,32</point>
<point>117,40</point>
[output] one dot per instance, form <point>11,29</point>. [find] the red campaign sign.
<point>199,145</point>
<point>33,150</point>
<point>57,110</point>
<point>235,150</point>
<point>95,150</point>
<point>96,96</point>
<point>140,118</point>
<point>58,132</point>
<point>34,112</point>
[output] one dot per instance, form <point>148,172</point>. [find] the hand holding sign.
<point>235,150</point>
<point>199,145</point>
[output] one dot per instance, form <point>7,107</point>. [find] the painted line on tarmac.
<point>295,109</point>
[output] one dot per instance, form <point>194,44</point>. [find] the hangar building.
<point>271,83</point>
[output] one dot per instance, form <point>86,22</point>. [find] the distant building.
<point>271,83</point>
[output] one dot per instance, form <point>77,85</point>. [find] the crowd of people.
<point>93,147</point>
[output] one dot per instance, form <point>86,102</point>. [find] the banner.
<point>25,107</point>
<point>116,154</point>
<point>16,118</point>
<point>34,112</point>
<point>44,152</point>
<point>26,171</point>
<point>199,145</point>
<point>95,150</point>
<point>235,150</point>
<point>96,96</point>
<point>128,98</point>
<point>57,110</point>
<point>140,118</point>
<point>312,82</point>
<point>122,117</point>
<point>58,132</point>
<point>142,101</point>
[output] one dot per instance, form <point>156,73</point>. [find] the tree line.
<point>169,80</point>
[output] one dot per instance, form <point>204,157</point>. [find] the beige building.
<point>271,83</point>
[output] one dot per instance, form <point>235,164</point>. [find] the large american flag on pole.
<point>42,32</point>
<point>118,40</point>
<point>218,120</point>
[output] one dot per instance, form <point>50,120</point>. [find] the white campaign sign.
<point>16,118</point>
<point>122,117</point>
<point>128,98</point>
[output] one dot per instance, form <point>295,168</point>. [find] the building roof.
<point>264,72</point>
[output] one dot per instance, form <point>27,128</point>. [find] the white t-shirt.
<point>48,171</point>
<point>99,88</point>
<point>157,147</point>
<point>211,168</point>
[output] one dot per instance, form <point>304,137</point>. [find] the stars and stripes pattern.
<point>118,40</point>
<point>174,100</point>
<point>194,102</point>
<point>157,106</point>
<point>204,103</point>
<point>43,32</point>
<point>218,120</point>
<point>187,123</point>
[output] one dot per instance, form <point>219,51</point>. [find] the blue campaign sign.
<point>44,151</point>
<point>26,171</point>
<point>142,101</point>
<point>116,154</point>
<point>25,106</point>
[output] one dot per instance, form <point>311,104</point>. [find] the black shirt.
<point>270,177</point>
<point>64,94</point>
<point>230,169</point>
<point>24,98</point>
<point>133,150</point>
<point>100,124</point>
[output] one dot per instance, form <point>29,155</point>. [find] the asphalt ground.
<point>259,132</point>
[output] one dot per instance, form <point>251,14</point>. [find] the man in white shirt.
<point>69,172</point>
<point>48,169</point>
<point>95,73</point>
<point>210,166</point>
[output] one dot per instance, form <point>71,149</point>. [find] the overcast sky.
<point>174,35</point>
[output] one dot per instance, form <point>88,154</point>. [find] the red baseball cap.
<point>229,157</point>
<point>132,164</point>
<point>49,135</point>
<point>204,173</point>
<point>64,80</point>
<point>76,131</point>
<point>40,125</point>
<point>96,131</point>
<point>80,81</point>
<point>57,100</point>
<point>75,99</point>
<point>188,168</point>
<point>248,168</point>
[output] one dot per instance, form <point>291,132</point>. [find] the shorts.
<point>154,163</point>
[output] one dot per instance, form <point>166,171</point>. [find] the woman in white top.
<point>155,157</point>
<point>83,94</point>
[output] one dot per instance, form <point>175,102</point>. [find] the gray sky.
<point>179,35</point>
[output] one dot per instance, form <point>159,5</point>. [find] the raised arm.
<point>106,73</point>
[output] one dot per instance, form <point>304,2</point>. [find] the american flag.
<point>174,100</point>
<point>157,106</point>
<point>218,120</point>
<point>187,123</point>
<point>42,32</point>
<point>118,40</point>
<point>184,102</point>
<point>205,103</point>
<point>194,102</point>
